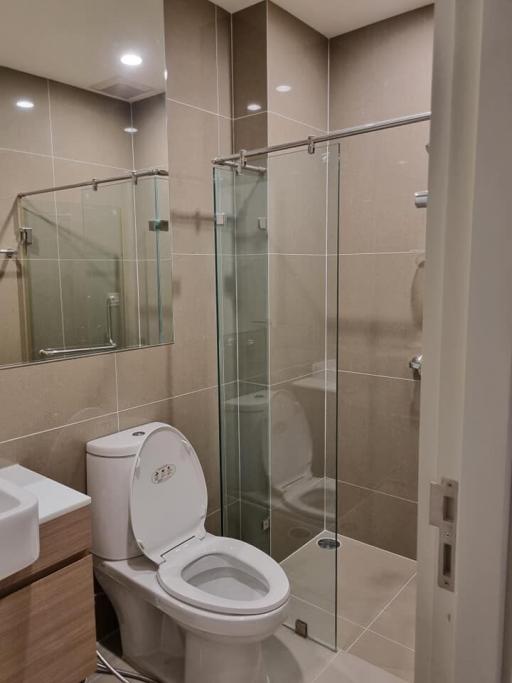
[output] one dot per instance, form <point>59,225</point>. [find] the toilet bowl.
<point>191,606</point>
<point>295,488</point>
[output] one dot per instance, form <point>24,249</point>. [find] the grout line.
<point>374,374</point>
<point>193,106</point>
<point>59,158</point>
<point>102,415</point>
<point>168,398</point>
<point>411,252</point>
<point>368,627</point>
<point>390,640</point>
<point>301,123</point>
<point>54,429</point>
<point>383,493</point>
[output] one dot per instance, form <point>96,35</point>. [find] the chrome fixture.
<point>421,199</point>
<point>416,363</point>
<point>239,161</point>
<point>51,353</point>
<point>26,236</point>
<point>9,252</point>
<point>94,182</point>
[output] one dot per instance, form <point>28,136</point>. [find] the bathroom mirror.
<point>85,250</point>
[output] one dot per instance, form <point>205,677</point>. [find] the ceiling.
<point>332,17</point>
<point>80,42</point>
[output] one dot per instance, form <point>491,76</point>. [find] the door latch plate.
<point>443,515</point>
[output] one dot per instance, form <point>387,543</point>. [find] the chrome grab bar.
<point>9,251</point>
<point>50,353</point>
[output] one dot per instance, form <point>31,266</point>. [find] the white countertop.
<point>54,499</point>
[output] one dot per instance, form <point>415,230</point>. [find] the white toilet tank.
<point>110,461</point>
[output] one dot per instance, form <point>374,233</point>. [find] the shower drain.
<point>329,543</point>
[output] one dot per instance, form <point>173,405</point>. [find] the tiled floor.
<point>376,600</point>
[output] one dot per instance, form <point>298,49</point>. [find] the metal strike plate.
<point>443,515</point>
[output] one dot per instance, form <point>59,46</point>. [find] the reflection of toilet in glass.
<point>289,465</point>
<point>189,604</point>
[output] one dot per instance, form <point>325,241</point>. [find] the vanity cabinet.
<point>47,626</point>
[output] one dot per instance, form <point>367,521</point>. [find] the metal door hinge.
<point>443,515</point>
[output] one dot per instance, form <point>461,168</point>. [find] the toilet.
<point>295,488</point>
<point>191,606</point>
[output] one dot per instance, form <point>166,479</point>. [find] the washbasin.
<point>19,528</point>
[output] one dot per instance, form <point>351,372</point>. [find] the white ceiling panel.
<point>332,17</point>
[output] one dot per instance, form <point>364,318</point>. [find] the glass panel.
<point>242,282</point>
<point>98,270</point>
<point>154,260</point>
<point>277,268</point>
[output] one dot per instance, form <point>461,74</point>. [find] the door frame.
<point>466,387</point>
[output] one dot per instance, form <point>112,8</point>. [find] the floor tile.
<point>292,659</point>
<point>321,624</point>
<point>398,621</point>
<point>385,654</point>
<point>347,668</point>
<point>368,578</point>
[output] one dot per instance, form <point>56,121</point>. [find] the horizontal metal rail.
<point>95,182</point>
<point>312,141</point>
<point>50,353</point>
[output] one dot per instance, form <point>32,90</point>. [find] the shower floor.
<point>376,598</point>
<point>376,618</point>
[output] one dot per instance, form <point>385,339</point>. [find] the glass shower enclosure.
<point>96,267</point>
<point>276,223</point>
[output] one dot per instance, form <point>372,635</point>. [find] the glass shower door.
<point>277,265</point>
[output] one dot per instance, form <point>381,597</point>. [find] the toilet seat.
<point>224,575</point>
<point>168,505</point>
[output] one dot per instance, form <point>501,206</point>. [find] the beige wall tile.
<point>297,202</point>
<point>90,127</point>
<point>281,129</point>
<point>380,173</point>
<point>196,416</point>
<point>54,394</point>
<point>11,349</point>
<point>377,519</point>
<point>297,314</point>
<point>190,363</point>
<point>378,431</point>
<point>225,136</point>
<point>193,143</point>
<point>144,375</point>
<point>150,149</point>
<point>59,453</point>
<point>23,172</point>
<point>381,312</point>
<point>78,171</point>
<point>250,58</point>
<point>190,52</point>
<point>224,66</point>
<point>250,132</point>
<point>24,129</point>
<point>382,71</point>
<point>298,57</point>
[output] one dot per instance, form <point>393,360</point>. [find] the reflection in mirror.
<point>85,251</point>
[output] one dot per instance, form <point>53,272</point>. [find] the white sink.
<point>19,528</point>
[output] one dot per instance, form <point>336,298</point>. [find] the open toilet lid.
<point>168,498</point>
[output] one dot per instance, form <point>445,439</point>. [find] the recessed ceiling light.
<point>131,130</point>
<point>25,104</point>
<point>131,59</point>
<point>253,107</point>
<point>283,88</point>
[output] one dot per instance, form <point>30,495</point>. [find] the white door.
<point>467,377</point>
